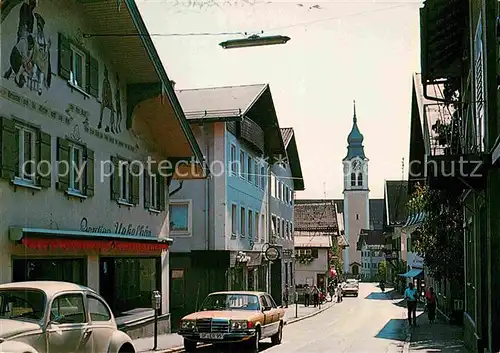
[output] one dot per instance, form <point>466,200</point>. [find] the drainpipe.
<point>204,132</point>
<point>269,224</point>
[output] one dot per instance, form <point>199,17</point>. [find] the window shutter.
<point>89,173</point>
<point>147,186</point>
<point>135,184</point>
<point>44,148</point>
<point>64,162</point>
<point>115,178</point>
<point>9,149</point>
<point>92,76</point>
<point>65,56</point>
<point>161,193</point>
<point>314,253</point>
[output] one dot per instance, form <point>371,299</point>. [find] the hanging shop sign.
<point>272,253</point>
<point>119,228</point>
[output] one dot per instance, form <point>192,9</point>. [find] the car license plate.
<point>212,336</point>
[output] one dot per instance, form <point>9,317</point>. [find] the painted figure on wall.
<point>118,99</point>
<point>30,57</point>
<point>107,102</point>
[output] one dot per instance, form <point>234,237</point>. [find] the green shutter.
<point>64,164</point>
<point>9,149</point>
<point>161,193</point>
<point>147,201</point>
<point>92,76</point>
<point>115,178</point>
<point>135,184</point>
<point>44,172</point>
<point>89,173</point>
<point>65,57</point>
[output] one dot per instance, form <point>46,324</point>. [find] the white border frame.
<point>182,233</point>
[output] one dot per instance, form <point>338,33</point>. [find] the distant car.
<point>350,287</point>
<point>234,317</point>
<point>46,317</point>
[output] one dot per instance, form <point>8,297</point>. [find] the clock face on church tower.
<point>355,165</point>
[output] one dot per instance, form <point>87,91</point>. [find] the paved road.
<point>369,323</point>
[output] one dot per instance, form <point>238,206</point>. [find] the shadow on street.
<point>378,296</point>
<point>393,330</point>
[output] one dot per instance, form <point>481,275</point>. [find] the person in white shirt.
<point>411,296</point>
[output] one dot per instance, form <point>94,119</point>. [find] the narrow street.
<point>369,323</point>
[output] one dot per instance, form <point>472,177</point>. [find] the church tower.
<point>356,196</point>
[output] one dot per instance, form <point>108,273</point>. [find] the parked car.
<point>56,317</point>
<point>234,317</point>
<point>350,287</point>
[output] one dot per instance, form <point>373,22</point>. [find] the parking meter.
<point>156,300</point>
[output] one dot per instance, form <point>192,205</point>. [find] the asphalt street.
<point>372,323</point>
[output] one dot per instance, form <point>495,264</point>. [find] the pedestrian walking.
<point>286,294</point>
<point>307,295</point>
<point>411,296</point>
<point>339,293</point>
<point>315,294</point>
<point>431,302</point>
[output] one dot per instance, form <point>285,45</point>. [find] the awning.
<point>415,219</point>
<point>37,238</point>
<point>412,273</point>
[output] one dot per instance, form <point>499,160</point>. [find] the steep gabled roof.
<point>370,237</point>
<point>293,157</point>
<point>395,199</point>
<point>316,216</point>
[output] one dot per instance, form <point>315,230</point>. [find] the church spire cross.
<point>354,118</point>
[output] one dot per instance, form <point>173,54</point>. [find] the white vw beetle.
<point>57,317</point>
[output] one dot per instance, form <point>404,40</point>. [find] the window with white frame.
<point>78,68</point>
<point>27,155</point>
<point>243,217</point>
<point>76,173</point>
<point>262,177</point>
<point>279,190</point>
<point>273,185</point>
<point>180,216</point>
<point>291,197</point>
<point>278,229</point>
<point>287,227</point>
<point>291,229</point>
<point>242,163</point>
<point>274,225</point>
<point>257,227</point>
<point>262,228</point>
<point>153,192</point>
<point>249,168</point>
<point>234,219</point>
<point>282,227</point>
<point>250,224</point>
<point>125,181</point>
<point>303,252</point>
<point>234,162</point>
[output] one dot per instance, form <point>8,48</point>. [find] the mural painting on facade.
<point>29,61</point>
<point>114,126</point>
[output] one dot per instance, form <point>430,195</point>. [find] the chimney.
<point>172,82</point>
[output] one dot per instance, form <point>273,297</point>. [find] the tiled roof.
<point>396,198</point>
<point>287,133</point>
<point>218,102</point>
<point>370,237</point>
<point>377,213</point>
<point>315,215</point>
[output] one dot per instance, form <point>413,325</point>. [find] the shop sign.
<point>272,253</point>
<point>119,228</point>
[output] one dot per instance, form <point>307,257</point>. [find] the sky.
<point>340,52</point>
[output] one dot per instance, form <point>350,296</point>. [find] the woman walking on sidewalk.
<point>431,302</point>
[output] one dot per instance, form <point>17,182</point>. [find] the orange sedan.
<point>229,317</point>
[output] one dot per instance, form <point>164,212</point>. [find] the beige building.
<point>100,105</point>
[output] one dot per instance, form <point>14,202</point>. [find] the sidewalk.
<point>439,337</point>
<point>174,343</point>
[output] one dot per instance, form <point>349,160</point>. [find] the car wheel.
<point>189,346</point>
<point>276,338</point>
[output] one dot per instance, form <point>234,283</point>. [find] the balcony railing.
<point>252,133</point>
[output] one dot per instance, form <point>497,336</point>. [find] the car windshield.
<point>22,304</point>
<point>231,302</point>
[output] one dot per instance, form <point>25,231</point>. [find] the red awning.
<point>83,244</point>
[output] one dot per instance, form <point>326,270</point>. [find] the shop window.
<point>75,169</point>
<point>125,181</point>
<point>98,310</point>
<point>180,217</point>
<point>234,219</point>
<point>66,270</point>
<point>26,154</point>
<point>68,309</point>
<point>154,192</point>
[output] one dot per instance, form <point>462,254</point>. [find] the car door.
<point>275,311</point>
<point>268,316</point>
<point>102,324</point>
<point>69,329</point>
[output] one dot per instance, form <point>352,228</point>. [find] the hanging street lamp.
<point>254,41</point>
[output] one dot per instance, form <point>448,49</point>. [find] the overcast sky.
<point>343,50</point>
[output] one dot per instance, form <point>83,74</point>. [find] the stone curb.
<point>289,322</point>
<point>406,347</point>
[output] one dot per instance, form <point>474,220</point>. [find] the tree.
<point>439,239</point>
<point>335,256</point>
<point>382,270</point>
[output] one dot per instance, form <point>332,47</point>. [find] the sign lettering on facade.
<point>119,228</point>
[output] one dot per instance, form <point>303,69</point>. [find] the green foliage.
<point>439,240</point>
<point>382,270</point>
<point>335,257</point>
